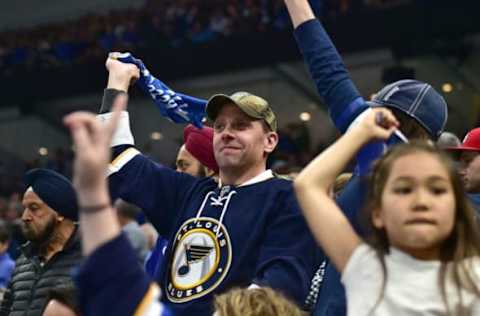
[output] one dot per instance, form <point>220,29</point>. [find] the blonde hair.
<point>255,302</point>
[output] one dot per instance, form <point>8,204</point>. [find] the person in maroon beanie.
<point>195,157</point>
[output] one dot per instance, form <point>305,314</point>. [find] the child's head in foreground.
<point>417,205</point>
<point>255,302</point>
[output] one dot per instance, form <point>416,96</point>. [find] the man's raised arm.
<point>132,176</point>
<point>325,65</point>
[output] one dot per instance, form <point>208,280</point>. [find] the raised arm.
<point>177,107</point>
<point>132,176</point>
<point>99,281</point>
<point>91,138</point>
<point>300,12</point>
<point>325,65</point>
<point>328,224</point>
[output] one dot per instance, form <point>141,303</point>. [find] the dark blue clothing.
<point>344,105</point>
<point>334,84</point>
<point>475,199</point>
<point>219,237</point>
<point>156,258</point>
<point>111,282</point>
<point>6,268</point>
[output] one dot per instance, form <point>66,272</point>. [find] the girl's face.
<point>417,205</point>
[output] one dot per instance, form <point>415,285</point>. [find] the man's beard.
<point>39,237</point>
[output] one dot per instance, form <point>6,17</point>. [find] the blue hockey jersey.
<point>219,237</point>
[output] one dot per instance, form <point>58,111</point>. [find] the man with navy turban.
<point>53,246</point>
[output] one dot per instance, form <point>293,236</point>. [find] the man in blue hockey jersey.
<point>246,230</point>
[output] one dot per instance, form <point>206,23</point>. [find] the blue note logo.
<point>202,254</point>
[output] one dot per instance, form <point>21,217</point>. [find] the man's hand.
<point>92,153</point>
<point>300,11</point>
<point>121,75</point>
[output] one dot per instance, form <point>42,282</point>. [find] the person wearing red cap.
<point>469,168</point>
<point>196,157</point>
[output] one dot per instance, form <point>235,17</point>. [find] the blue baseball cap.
<point>418,100</point>
<point>55,190</point>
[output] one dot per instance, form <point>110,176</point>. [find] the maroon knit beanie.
<point>199,143</point>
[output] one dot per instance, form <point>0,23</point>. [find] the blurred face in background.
<point>470,171</point>
<point>186,163</point>
<point>13,211</point>
<point>38,219</point>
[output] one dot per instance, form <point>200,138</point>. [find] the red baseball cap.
<point>199,143</point>
<point>471,142</point>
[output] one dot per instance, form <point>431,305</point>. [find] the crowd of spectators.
<point>170,23</point>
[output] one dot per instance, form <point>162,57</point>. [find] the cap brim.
<point>402,110</point>
<point>215,104</point>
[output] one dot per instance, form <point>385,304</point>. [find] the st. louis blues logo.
<point>202,254</point>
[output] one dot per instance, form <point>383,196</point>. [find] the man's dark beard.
<point>43,238</point>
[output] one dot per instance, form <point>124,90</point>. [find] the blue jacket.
<point>7,265</point>
<point>344,105</point>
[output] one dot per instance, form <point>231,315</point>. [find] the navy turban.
<point>55,190</point>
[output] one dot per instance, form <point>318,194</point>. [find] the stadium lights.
<point>305,116</point>
<point>156,136</point>
<point>42,151</point>
<point>447,87</point>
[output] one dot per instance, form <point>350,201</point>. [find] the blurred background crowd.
<point>172,23</point>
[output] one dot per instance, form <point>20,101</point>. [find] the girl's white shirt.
<point>412,286</point>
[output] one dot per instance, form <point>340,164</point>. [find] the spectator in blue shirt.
<point>6,263</point>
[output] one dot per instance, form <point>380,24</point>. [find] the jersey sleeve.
<point>329,73</point>
<point>111,282</point>
<point>334,84</point>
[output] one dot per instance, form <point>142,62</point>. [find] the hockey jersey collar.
<point>265,175</point>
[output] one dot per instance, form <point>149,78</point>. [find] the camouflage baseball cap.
<point>252,105</point>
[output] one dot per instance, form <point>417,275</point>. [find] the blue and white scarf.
<point>176,107</point>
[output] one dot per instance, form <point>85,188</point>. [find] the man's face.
<point>186,163</point>
<point>470,171</point>
<point>240,141</point>
<point>38,219</point>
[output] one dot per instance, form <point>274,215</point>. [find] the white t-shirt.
<point>412,287</point>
